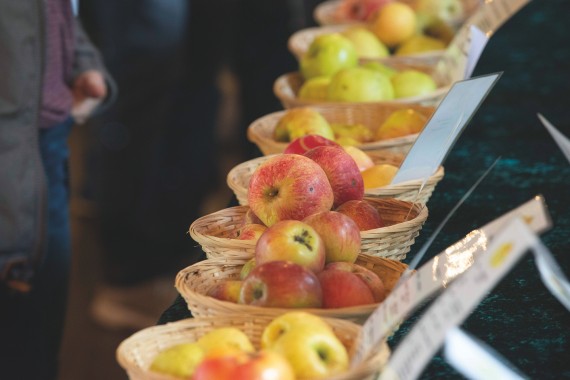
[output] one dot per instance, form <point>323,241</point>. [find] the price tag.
<point>458,301</point>
<point>439,272</point>
<point>562,141</point>
<point>476,360</point>
<point>467,46</point>
<point>444,127</point>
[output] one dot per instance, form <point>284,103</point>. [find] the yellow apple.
<point>400,123</point>
<point>408,83</point>
<point>363,161</point>
<point>314,89</point>
<point>379,175</point>
<point>365,42</point>
<point>359,84</point>
<point>230,337</point>
<point>179,360</point>
<point>302,121</point>
<point>394,23</point>
<point>290,321</point>
<point>358,132</point>
<point>419,44</point>
<point>312,354</point>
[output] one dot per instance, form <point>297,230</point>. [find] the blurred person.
<point>156,147</point>
<point>48,69</point>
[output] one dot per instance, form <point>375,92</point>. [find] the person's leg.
<point>31,325</point>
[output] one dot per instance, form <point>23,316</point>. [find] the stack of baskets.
<point>402,206</point>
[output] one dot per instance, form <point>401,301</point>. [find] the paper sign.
<point>476,47</point>
<point>458,301</point>
<point>551,274</point>
<point>476,360</point>
<point>488,18</point>
<point>439,272</point>
<point>562,141</point>
<point>444,127</point>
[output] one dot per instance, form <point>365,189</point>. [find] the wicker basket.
<point>194,282</point>
<point>260,132</point>
<point>136,353</point>
<point>238,180</point>
<point>287,86</point>
<point>214,231</point>
<point>300,41</point>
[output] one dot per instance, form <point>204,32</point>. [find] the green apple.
<point>359,84</point>
<point>381,68</point>
<point>358,132</point>
<point>314,88</point>
<point>313,354</point>
<point>327,54</point>
<point>229,337</point>
<point>402,122</point>
<point>365,42</point>
<point>408,83</point>
<point>179,360</point>
<point>435,27</point>
<point>299,122</point>
<point>419,44</point>
<point>450,11</point>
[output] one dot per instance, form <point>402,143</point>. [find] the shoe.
<point>134,307</point>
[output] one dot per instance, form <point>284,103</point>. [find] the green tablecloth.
<point>519,318</point>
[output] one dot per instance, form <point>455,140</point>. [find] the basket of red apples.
<point>285,276</point>
<point>368,127</point>
<point>373,171</point>
<point>295,345</point>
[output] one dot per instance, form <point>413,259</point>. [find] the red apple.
<point>288,186</point>
<point>363,213</point>
<point>226,290</point>
<point>340,234</point>
<point>233,365</point>
<point>291,240</point>
<point>305,143</point>
<point>370,278</point>
<point>250,232</point>
<point>342,288</point>
<point>250,218</point>
<point>281,284</point>
<point>342,172</point>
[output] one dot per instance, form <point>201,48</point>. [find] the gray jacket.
<point>22,179</point>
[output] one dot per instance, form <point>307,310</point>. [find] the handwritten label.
<point>444,127</point>
<point>488,18</point>
<point>439,272</point>
<point>460,298</point>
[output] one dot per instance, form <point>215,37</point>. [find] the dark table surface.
<point>519,318</point>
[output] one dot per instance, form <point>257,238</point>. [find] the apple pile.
<point>304,121</point>
<point>411,26</point>
<point>294,345</point>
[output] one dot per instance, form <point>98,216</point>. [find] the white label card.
<point>460,298</point>
<point>444,127</point>
<point>439,272</point>
<point>476,47</point>
<point>562,141</point>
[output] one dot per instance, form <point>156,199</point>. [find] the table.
<point>519,318</point>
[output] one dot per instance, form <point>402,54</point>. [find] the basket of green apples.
<point>296,345</point>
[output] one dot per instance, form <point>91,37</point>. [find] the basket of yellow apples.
<point>376,169</point>
<point>296,345</point>
<point>285,278</point>
<point>374,127</point>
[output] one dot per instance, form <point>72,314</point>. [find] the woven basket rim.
<point>160,332</point>
<point>283,80</point>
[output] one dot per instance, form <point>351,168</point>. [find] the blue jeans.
<point>31,325</point>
